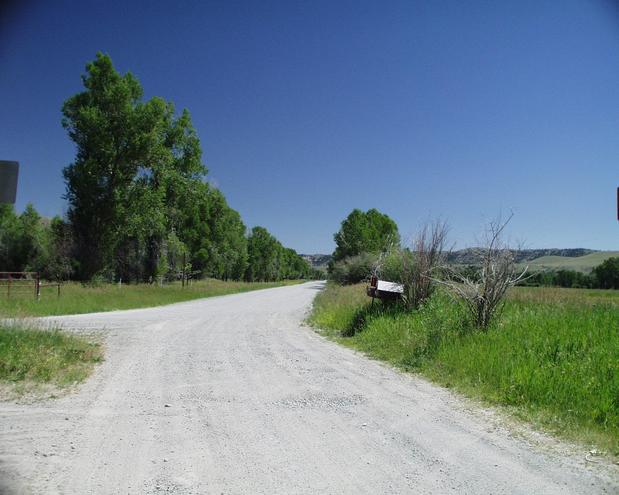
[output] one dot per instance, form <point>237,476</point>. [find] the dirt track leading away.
<point>234,395</point>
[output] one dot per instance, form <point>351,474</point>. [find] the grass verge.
<point>77,298</point>
<point>552,358</point>
<point>31,357</point>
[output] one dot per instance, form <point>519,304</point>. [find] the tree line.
<point>368,239</point>
<point>29,242</point>
<point>139,207</point>
<point>603,276</point>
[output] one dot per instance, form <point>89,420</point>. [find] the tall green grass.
<point>77,298</point>
<point>45,357</point>
<point>552,357</point>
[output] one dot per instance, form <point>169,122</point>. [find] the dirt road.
<point>233,395</point>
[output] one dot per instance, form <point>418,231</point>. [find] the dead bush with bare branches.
<point>483,295</point>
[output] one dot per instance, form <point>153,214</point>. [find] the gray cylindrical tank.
<point>8,181</point>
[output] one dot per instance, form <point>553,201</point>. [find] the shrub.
<point>353,269</point>
<point>416,269</point>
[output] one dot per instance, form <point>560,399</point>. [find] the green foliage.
<point>363,238</point>
<point>561,278</point>
<point>603,276</point>
<point>263,254</point>
<point>269,260</point>
<point>225,244</point>
<point>139,208</point>
<point>552,357</point>
<point>43,356</point>
<point>365,232</point>
<point>25,240</point>
<point>393,263</point>
<point>60,264</point>
<point>111,130</point>
<point>353,269</point>
<point>607,274</point>
<point>31,243</point>
<point>135,161</point>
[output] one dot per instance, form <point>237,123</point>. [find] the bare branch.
<point>419,266</point>
<point>484,296</point>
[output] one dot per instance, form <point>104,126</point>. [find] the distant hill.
<point>318,261</point>
<point>579,259</point>
<point>580,264</point>
<point>470,256</point>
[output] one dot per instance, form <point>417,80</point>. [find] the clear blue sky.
<point>307,110</point>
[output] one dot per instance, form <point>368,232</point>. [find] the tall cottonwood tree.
<point>269,260</point>
<point>134,162</point>
<point>112,133</point>
<point>365,232</point>
<point>263,253</point>
<point>139,208</point>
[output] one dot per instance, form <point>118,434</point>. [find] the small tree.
<point>483,296</point>
<point>364,232</point>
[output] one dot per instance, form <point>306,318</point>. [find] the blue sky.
<point>307,110</point>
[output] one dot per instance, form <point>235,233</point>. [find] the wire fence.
<point>15,284</point>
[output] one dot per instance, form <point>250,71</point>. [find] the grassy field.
<point>77,298</point>
<point>35,357</point>
<point>580,263</point>
<point>552,359</point>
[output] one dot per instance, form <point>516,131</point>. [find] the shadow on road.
<point>317,285</point>
<point>7,484</point>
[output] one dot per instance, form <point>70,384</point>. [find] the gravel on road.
<point>235,395</point>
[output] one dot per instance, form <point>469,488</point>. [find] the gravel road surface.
<point>234,395</point>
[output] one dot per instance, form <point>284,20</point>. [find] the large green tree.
<point>135,161</point>
<point>365,232</point>
<point>215,235</point>
<point>268,260</point>
<point>110,130</point>
<point>264,253</point>
<point>139,207</point>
